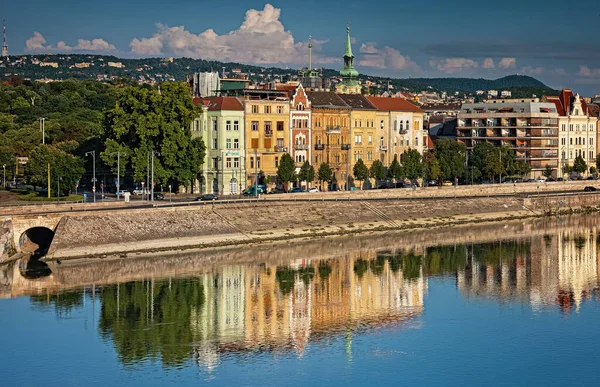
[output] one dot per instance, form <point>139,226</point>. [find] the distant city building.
<point>117,65</point>
<point>205,84</point>
<point>505,94</point>
<point>49,64</point>
<point>480,92</point>
<point>493,93</point>
<point>529,128</point>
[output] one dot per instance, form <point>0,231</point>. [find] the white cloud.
<point>585,71</point>
<point>386,57</point>
<point>530,70</point>
<point>38,43</point>
<point>453,65</point>
<point>488,63</point>
<point>506,63</point>
<point>261,39</point>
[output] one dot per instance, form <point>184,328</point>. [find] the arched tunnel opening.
<point>36,241</point>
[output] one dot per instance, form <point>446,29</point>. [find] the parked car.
<point>540,180</point>
<point>590,178</point>
<point>296,190</point>
<point>313,189</point>
<point>123,192</point>
<point>207,197</point>
<point>159,196</point>
<point>432,182</point>
<point>447,183</point>
<point>140,192</point>
<point>589,188</point>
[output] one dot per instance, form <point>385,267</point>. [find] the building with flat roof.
<point>529,128</point>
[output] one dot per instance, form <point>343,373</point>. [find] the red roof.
<point>394,104</point>
<point>564,102</point>
<point>219,103</point>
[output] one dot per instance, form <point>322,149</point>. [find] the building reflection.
<point>553,270</point>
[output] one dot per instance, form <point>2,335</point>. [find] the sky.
<point>550,40</point>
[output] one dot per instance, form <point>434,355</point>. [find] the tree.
<point>412,164</point>
<point>568,169</point>
<point>395,170</point>
<point>432,167</point>
<point>452,157</point>
<point>286,172</point>
<point>579,166</point>
<point>324,174</point>
<point>377,171</point>
<point>593,170</point>
<point>598,162</point>
<point>144,120</point>
<point>360,170</point>
<point>522,168</point>
<point>547,171</point>
<point>307,173</point>
<point>62,165</point>
<point>477,158</point>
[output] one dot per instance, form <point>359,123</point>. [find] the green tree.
<point>377,171</point>
<point>360,171</point>
<point>452,157</point>
<point>324,174</point>
<point>395,170</point>
<point>567,168</point>
<point>597,162</point>
<point>579,166</point>
<point>286,172</point>
<point>412,164</point>
<point>477,158</point>
<point>432,166</point>
<point>63,166</point>
<point>522,168</point>
<point>547,171</point>
<point>144,120</point>
<point>307,173</point>
<point>593,170</point>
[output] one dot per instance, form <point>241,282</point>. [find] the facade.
<point>300,127</point>
<point>331,135</point>
<point>206,84</point>
<point>349,83</point>
<point>530,128</point>
<point>221,126</point>
<point>402,127</point>
<point>267,133</point>
<point>365,139</point>
<point>578,129</point>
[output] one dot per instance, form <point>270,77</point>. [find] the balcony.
<point>319,146</point>
<point>346,147</point>
<point>301,146</point>
<point>333,129</point>
<point>280,148</point>
<point>383,148</point>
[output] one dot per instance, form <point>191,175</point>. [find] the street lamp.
<point>4,179</point>
<point>42,128</point>
<point>170,197</point>
<point>58,190</point>
<point>152,182</point>
<point>93,153</point>
<point>118,172</point>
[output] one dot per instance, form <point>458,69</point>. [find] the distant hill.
<point>162,69</point>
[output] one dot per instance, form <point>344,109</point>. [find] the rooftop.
<point>357,101</point>
<point>326,99</point>
<point>513,107</point>
<point>394,104</point>
<point>219,103</point>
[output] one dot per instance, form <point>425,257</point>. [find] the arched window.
<point>401,125</point>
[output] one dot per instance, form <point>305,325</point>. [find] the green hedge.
<point>34,197</point>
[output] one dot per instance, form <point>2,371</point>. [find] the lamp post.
<point>170,197</point>
<point>4,179</point>
<point>118,173</point>
<point>58,190</point>
<point>93,153</point>
<point>152,182</point>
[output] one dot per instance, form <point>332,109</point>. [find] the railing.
<point>301,146</point>
<point>383,148</point>
<point>319,146</point>
<point>345,146</point>
<point>280,148</point>
<point>268,133</point>
<point>333,129</point>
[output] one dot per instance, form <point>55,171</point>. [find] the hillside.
<point>161,69</point>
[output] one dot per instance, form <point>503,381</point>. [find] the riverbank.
<point>133,232</point>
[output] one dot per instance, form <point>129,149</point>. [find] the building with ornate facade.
<point>221,127</point>
<point>300,127</point>
<point>350,83</point>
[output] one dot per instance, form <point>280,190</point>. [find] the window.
<point>316,159</point>
<point>571,141</point>
<point>407,125</point>
<point>591,141</point>
<point>280,142</point>
<point>255,126</point>
<point>258,162</point>
<point>268,129</point>
<point>276,162</point>
<point>381,141</point>
<point>583,141</point>
<point>564,127</point>
<point>267,109</point>
<point>236,162</point>
<point>251,162</point>
<point>381,124</point>
<point>214,143</point>
<point>300,107</point>
<point>236,125</point>
<point>401,125</point>
<point>370,140</point>
<point>358,139</point>
<point>564,141</point>
<point>416,141</point>
<point>280,109</point>
<point>236,143</point>
<point>279,126</point>
<point>228,162</point>
<point>370,156</point>
<point>254,108</point>
<point>228,143</point>
<point>228,125</point>
<point>591,155</point>
<point>570,127</point>
<point>214,125</point>
<point>215,162</point>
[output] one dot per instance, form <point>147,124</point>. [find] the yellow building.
<point>403,129</point>
<point>267,133</point>
<point>331,135</point>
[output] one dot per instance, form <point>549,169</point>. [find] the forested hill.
<point>62,66</point>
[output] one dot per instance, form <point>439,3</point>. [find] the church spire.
<point>309,53</point>
<point>348,52</point>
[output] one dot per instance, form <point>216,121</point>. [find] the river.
<point>503,304</point>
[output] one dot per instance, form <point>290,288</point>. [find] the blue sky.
<point>549,40</point>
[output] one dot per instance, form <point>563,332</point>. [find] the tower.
<point>349,84</point>
<point>4,45</point>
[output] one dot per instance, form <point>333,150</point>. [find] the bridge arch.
<point>36,240</point>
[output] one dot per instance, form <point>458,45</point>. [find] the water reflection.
<point>187,308</point>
